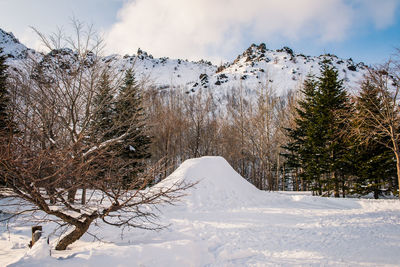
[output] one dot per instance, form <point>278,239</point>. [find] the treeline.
<point>318,138</point>
<point>343,144</point>
<point>249,135</point>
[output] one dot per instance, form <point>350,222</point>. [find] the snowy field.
<point>225,221</point>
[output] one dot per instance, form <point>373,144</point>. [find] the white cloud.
<point>382,12</point>
<point>197,29</point>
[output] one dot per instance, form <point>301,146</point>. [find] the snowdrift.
<point>218,185</point>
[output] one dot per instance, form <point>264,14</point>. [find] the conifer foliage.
<point>301,147</point>
<point>129,107</point>
<point>104,110</point>
<point>5,120</point>
<point>317,142</point>
<point>375,165</point>
<point>4,98</point>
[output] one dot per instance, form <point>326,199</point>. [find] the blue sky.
<point>218,30</point>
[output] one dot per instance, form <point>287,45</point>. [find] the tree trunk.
<point>336,184</point>
<point>70,238</point>
<point>343,186</point>
<point>283,178</point>
<point>376,193</point>
<point>83,200</point>
<point>71,195</point>
<point>51,192</point>
<point>397,153</point>
<point>277,171</point>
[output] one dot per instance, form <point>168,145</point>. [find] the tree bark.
<point>70,238</point>
<point>83,200</point>
<point>397,153</point>
<point>336,183</point>
<point>71,195</point>
<point>277,171</point>
<point>343,186</point>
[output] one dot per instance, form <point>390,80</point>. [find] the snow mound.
<point>37,255</point>
<point>218,185</point>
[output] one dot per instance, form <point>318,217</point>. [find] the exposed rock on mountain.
<point>257,66</point>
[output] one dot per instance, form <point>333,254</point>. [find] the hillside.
<point>282,69</point>
<point>225,221</point>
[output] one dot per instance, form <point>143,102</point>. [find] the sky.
<point>218,30</point>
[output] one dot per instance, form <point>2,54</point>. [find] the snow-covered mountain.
<point>12,47</point>
<point>281,69</point>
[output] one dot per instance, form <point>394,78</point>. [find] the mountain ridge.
<point>257,66</point>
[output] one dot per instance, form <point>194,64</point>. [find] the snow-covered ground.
<point>225,221</point>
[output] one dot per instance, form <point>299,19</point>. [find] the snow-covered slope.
<point>13,49</point>
<point>282,69</point>
<point>258,66</point>
<point>217,184</point>
<point>11,46</point>
<point>225,221</point>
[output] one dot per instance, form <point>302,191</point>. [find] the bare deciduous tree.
<point>57,151</point>
<point>386,122</point>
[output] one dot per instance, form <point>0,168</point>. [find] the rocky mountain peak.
<point>12,48</point>
<point>257,66</point>
<point>253,53</point>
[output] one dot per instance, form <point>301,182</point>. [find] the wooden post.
<point>36,234</point>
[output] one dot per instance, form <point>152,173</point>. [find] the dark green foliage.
<point>129,108</point>
<point>316,143</point>
<point>333,107</point>
<point>337,146</point>
<point>302,146</point>
<point>375,164</point>
<point>5,117</point>
<point>104,110</point>
<point>119,117</point>
<point>4,98</point>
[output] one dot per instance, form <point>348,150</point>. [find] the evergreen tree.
<point>332,107</point>
<point>301,148</point>
<point>317,141</point>
<point>6,127</point>
<point>292,157</point>
<point>102,125</point>
<point>375,165</point>
<point>130,121</point>
<point>104,110</point>
<point>5,120</point>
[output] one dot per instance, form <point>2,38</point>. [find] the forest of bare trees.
<point>249,134</point>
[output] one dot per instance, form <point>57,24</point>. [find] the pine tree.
<point>104,110</point>
<point>302,146</point>
<point>4,98</point>
<point>292,156</point>
<point>317,141</point>
<point>332,107</point>
<point>6,127</point>
<point>375,165</point>
<point>131,122</point>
